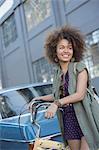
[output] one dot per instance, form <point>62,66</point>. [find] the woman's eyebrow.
<point>67,45</point>
<point>70,44</point>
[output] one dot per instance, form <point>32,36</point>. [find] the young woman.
<point>64,47</point>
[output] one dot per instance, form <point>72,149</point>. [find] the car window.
<point>14,102</point>
<point>27,93</point>
<point>44,90</point>
<point>11,104</point>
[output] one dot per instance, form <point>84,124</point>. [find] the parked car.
<point>17,127</point>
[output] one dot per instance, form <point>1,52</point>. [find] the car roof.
<point>23,86</point>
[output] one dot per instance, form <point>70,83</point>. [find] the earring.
<point>56,60</point>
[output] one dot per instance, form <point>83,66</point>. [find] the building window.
<point>43,71</point>
<point>91,56</point>
<point>36,11</point>
<point>9,30</point>
<point>5,6</point>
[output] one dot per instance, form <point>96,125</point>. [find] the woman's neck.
<point>64,67</point>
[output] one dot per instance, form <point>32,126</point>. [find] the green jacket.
<point>82,108</point>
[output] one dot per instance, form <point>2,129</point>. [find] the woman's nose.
<point>66,49</point>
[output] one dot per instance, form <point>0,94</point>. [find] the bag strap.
<point>93,95</point>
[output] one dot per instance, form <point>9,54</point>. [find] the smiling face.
<point>64,51</point>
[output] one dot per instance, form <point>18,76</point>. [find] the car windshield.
<point>15,102</point>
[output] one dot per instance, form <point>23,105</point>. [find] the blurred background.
<point>24,25</point>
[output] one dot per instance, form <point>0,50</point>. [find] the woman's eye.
<point>70,48</point>
<point>61,47</point>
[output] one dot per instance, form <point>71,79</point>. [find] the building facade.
<point>23,30</point>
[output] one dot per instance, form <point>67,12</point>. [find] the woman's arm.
<point>80,91</point>
<point>76,97</point>
<point>45,98</point>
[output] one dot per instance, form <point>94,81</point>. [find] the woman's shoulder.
<point>80,66</point>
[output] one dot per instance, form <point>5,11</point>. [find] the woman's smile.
<point>66,55</point>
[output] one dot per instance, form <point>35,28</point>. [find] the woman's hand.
<point>51,111</point>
